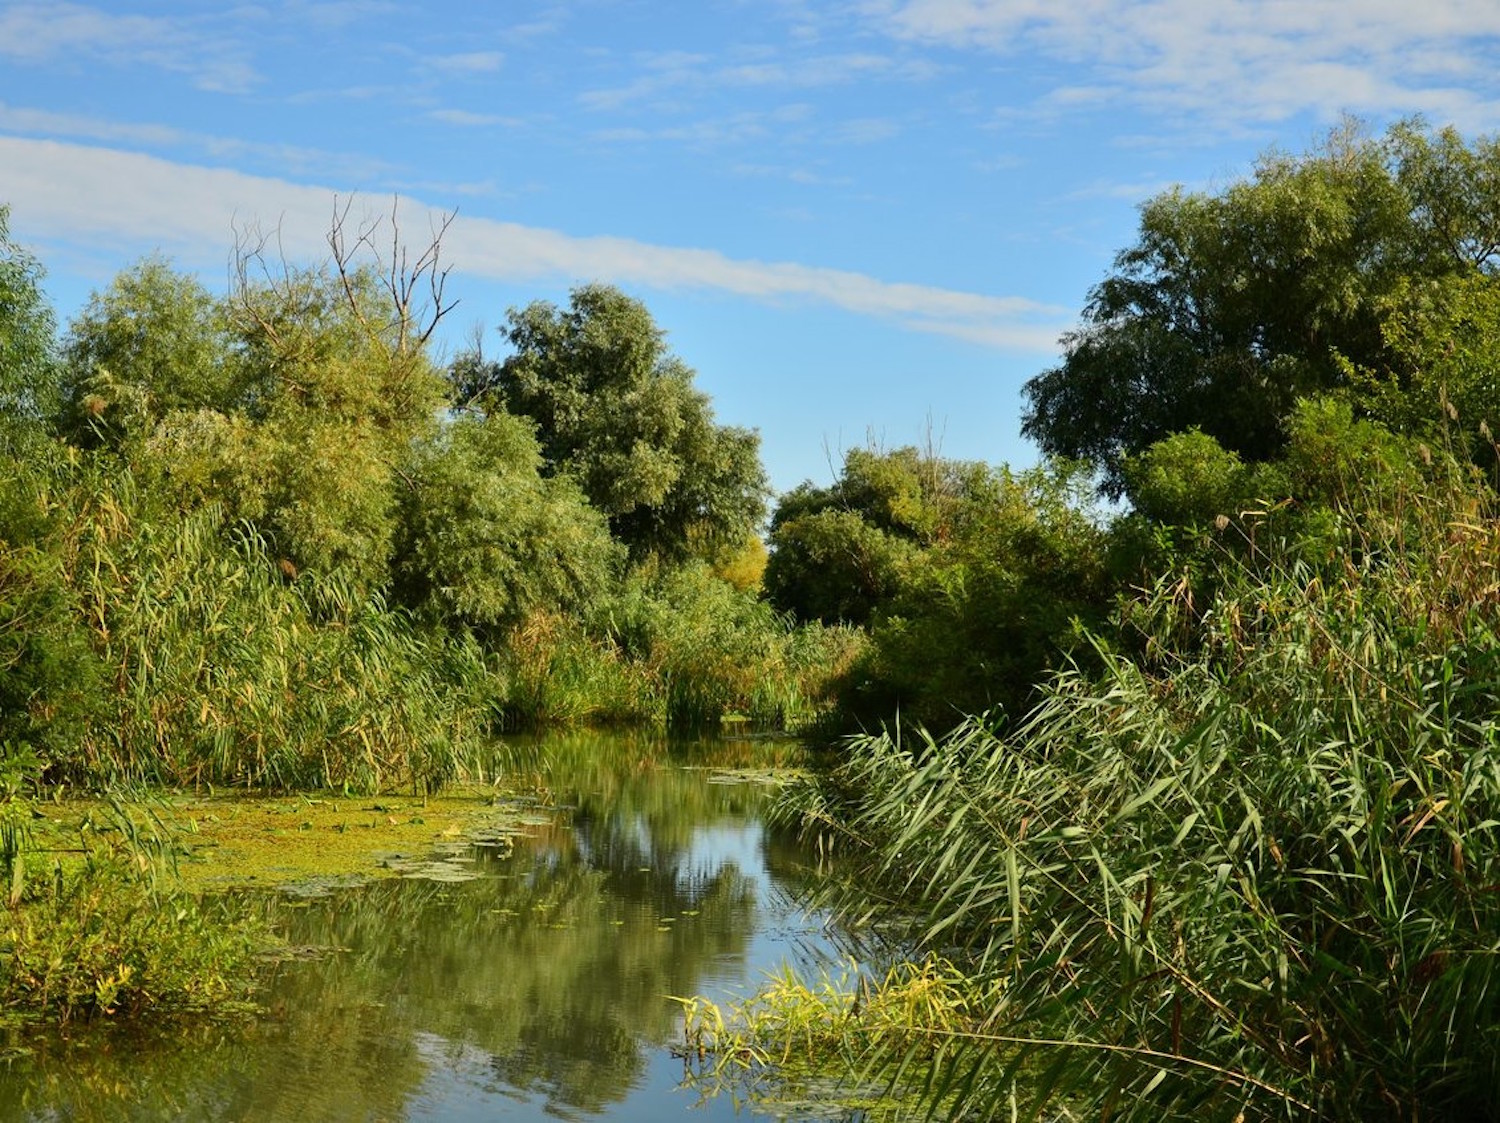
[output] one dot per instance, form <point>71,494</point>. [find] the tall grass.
<point>559,673</point>
<point>680,649</point>
<point>1251,874</point>
<point>200,662</point>
<point>102,928</point>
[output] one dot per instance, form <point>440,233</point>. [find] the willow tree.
<point>27,362</point>
<point>154,342</point>
<point>1233,304</point>
<point>484,539</point>
<point>618,412</point>
<point>334,388</point>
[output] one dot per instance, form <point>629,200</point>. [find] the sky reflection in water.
<point>537,990</point>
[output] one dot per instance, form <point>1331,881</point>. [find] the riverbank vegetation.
<point>97,923</point>
<point>1175,759</point>
<point>1234,857</point>
<point>265,539</point>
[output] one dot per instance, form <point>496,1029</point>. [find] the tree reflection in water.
<point>538,987</point>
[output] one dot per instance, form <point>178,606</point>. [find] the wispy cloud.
<point>67,192</point>
<point>794,174</point>
<point>1262,60</point>
<point>676,71</point>
<point>466,119</point>
<point>22,119</point>
<point>363,92</point>
<point>336,13</point>
<point>286,157</point>
<point>43,33</point>
<point>543,24</point>
<point>735,128</point>
<point>1130,191</point>
<point>866,130</point>
<point>469,62</point>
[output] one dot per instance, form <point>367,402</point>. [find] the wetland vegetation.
<point>1163,777</point>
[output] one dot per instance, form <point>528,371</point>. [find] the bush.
<point>113,935</point>
<point>1249,877</point>
<point>144,643</point>
<point>103,942</point>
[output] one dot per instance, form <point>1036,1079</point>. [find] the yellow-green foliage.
<point>742,564</point>
<point>160,645</point>
<point>789,1019</point>
<point>844,1040</point>
<point>714,650</point>
<point>557,673</point>
<point>680,647</point>
<point>104,928</point>
<point>103,941</point>
<point>1246,873</point>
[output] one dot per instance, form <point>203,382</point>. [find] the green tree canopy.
<point>485,539</point>
<point>617,411</point>
<point>1186,479</point>
<point>154,342</point>
<point>1442,378</point>
<point>335,396</point>
<point>967,577</point>
<point>1231,305</point>
<point>28,374</point>
<point>838,552</point>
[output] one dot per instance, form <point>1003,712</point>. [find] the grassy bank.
<point>134,906</point>
<point>1246,870</point>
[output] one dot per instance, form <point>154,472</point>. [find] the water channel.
<point>535,985</point>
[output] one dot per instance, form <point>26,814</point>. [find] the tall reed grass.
<point>679,649</point>
<point>200,662</point>
<point>1249,875</point>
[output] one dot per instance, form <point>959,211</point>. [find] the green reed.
<point>187,656</point>
<point>1248,874</point>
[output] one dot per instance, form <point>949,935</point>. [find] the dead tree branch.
<point>415,286</point>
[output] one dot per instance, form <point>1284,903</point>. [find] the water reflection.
<point>536,989</point>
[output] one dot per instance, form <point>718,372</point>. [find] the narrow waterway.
<point>534,982</point>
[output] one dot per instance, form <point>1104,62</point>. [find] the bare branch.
<point>248,256</point>
<point>415,287</point>
<point>343,257</point>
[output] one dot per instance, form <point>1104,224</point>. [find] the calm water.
<point>537,990</point>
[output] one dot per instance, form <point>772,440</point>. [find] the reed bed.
<point>681,649</point>
<point>171,647</point>
<point>1249,874</point>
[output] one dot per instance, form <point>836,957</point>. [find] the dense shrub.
<point>143,643</point>
<point>1248,876</point>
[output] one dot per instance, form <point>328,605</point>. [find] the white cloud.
<point>466,119</point>
<point>677,70</point>
<point>41,33</point>
<point>22,119</point>
<point>1130,191</point>
<point>292,158</point>
<point>469,62</point>
<point>1240,59</point>
<point>736,128</point>
<point>79,194</point>
<point>337,13</point>
<point>866,130</point>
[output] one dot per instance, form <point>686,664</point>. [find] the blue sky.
<point>860,220</point>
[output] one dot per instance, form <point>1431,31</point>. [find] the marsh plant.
<point>147,644</point>
<point>674,647</point>
<point>97,925</point>
<point>1248,873</point>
